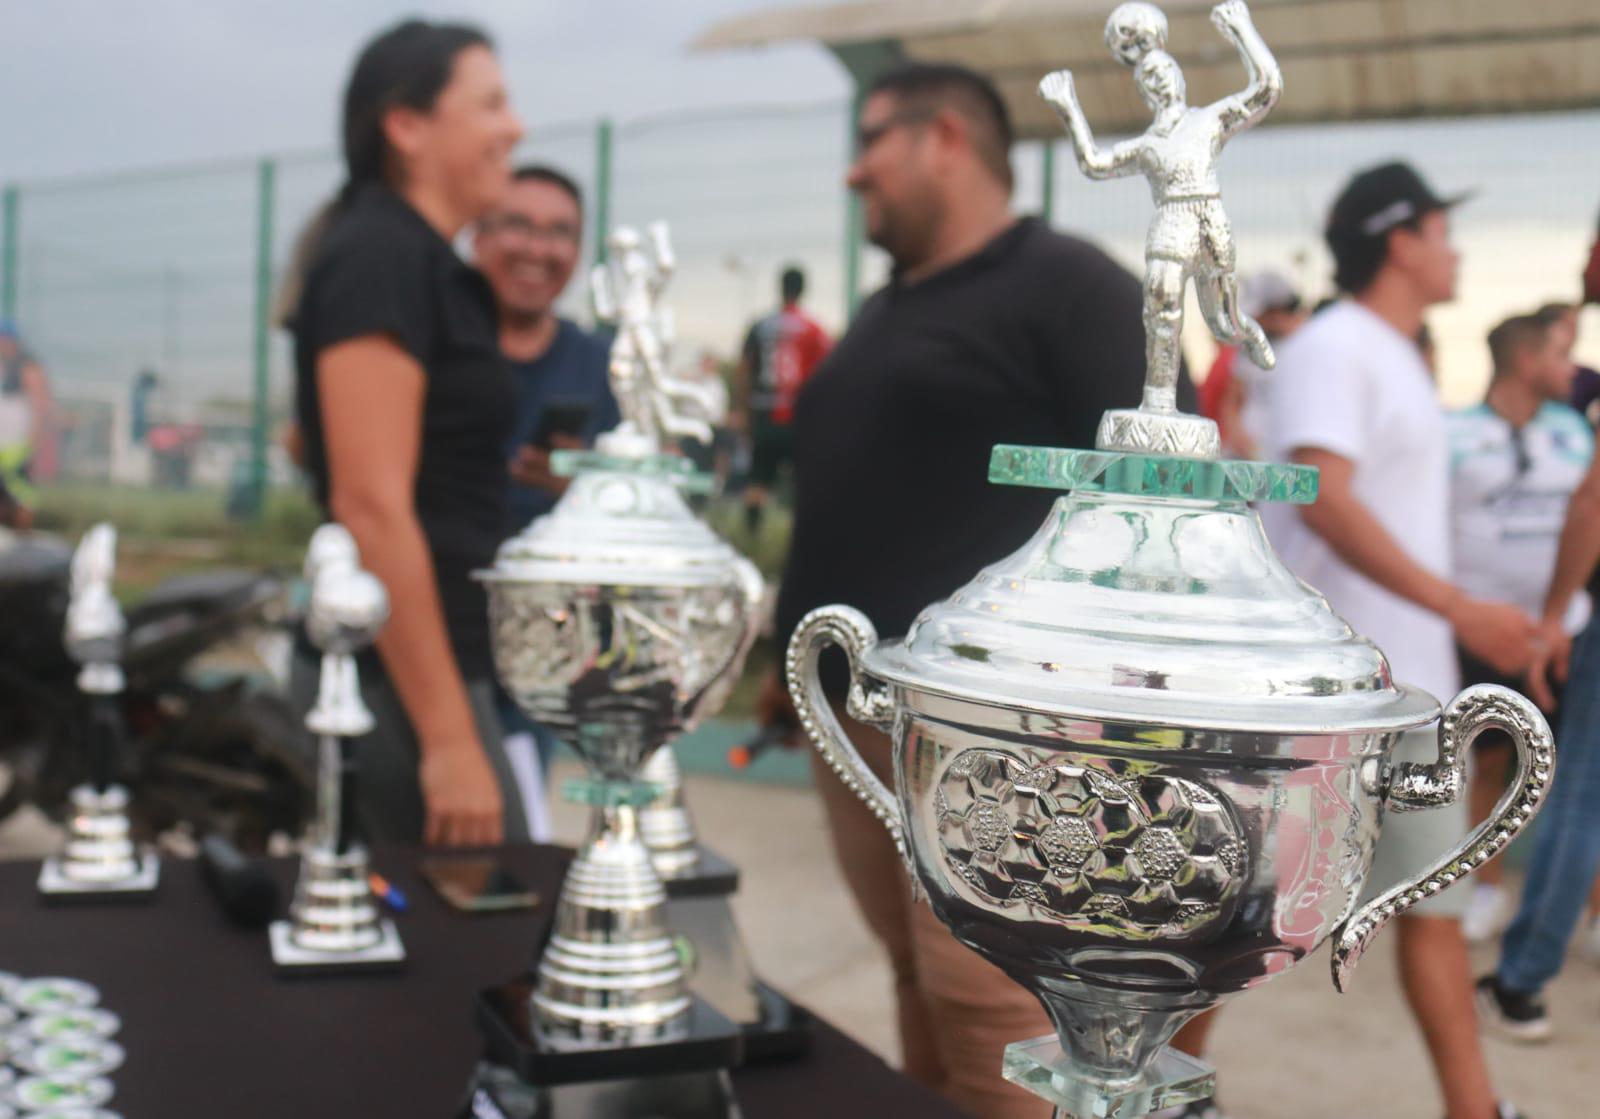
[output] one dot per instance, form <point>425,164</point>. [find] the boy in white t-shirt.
<point>1515,460</point>
<point>1352,397</point>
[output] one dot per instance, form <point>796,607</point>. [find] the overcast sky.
<point>90,85</point>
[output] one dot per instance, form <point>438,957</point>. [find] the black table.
<point>210,1029</point>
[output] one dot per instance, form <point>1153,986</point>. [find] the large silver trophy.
<point>101,859</point>
<point>1138,764</point>
<point>335,924</point>
<point>618,621</point>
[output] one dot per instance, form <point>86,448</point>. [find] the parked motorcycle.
<point>212,742</point>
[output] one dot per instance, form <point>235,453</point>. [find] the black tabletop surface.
<point>210,1029</point>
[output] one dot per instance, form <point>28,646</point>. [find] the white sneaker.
<point>1589,946</point>
<point>1487,913</point>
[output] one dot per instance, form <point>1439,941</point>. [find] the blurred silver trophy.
<point>655,404</point>
<point>100,858</point>
<point>334,920</point>
<point>1138,764</point>
<point>618,621</point>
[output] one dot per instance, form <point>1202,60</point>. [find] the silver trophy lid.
<point>1151,595</point>
<point>618,529</point>
<point>1154,609</point>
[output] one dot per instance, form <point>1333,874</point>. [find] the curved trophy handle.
<point>850,629</point>
<point>1410,787</point>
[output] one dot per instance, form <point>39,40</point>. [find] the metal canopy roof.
<point>1343,60</point>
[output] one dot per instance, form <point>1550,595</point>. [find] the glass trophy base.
<point>598,792</point>
<point>56,884</point>
<point>1172,1080</point>
<point>1152,475</point>
<point>498,1093</point>
<point>388,954</point>
<point>705,1041</point>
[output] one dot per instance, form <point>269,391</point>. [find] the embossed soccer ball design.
<point>1139,856</point>
<point>1135,29</point>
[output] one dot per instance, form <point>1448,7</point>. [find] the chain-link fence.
<point>148,296</point>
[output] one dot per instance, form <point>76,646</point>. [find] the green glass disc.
<point>1152,475</point>
<point>679,470</point>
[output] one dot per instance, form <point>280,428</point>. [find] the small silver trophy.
<point>335,925</point>
<point>1139,765</point>
<point>100,859</point>
<point>619,620</point>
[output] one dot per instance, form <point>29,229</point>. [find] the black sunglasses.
<point>869,135</point>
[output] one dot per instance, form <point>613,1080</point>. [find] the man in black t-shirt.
<point>991,329</point>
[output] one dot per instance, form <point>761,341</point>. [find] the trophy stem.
<point>100,858</point>
<point>335,923</point>
<point>611,971</point>
<point>665,823</point>
<point>1108,1059</point>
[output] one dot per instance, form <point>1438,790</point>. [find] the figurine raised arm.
<point>1189,236</point>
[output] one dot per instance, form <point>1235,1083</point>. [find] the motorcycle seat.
<point>206,592</point>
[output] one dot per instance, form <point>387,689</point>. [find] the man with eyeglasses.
<point>1515,460</point>
<point>528,249</point>
<point>991,329</point>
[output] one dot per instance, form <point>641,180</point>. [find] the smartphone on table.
<point>476,884</point>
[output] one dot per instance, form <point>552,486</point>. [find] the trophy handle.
<point>1410,787</point>
<point>868,701</point>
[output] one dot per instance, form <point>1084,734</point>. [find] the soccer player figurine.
<point>627,291</point>
<point>1189,235</point>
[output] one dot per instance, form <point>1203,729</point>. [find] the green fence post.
<point>853,219</point>
<point>1048,185</point>
<point>10,228</point>
<point>266,187</point>
<point>602,188</point>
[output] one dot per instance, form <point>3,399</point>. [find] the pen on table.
<point>388,893</point>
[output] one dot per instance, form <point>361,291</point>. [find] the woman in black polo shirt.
<point>403,400</point>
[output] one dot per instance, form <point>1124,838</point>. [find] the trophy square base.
<point>1173,1079</point>
<point>710,875</point>
<point>705,1041</point>
<point>56,885</point>
<point>388,954</point>
<point>782,1030</point>
<point>497,1093</point>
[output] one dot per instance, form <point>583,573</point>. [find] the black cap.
<point>1379,199</point>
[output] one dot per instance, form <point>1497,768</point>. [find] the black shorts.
<point>1475,671</point>
<point>771,449</point>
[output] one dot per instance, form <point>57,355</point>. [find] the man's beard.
<point>904,234</point>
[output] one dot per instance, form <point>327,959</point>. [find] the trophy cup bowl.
<point>1141,767</point>
<point>616,621</point>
